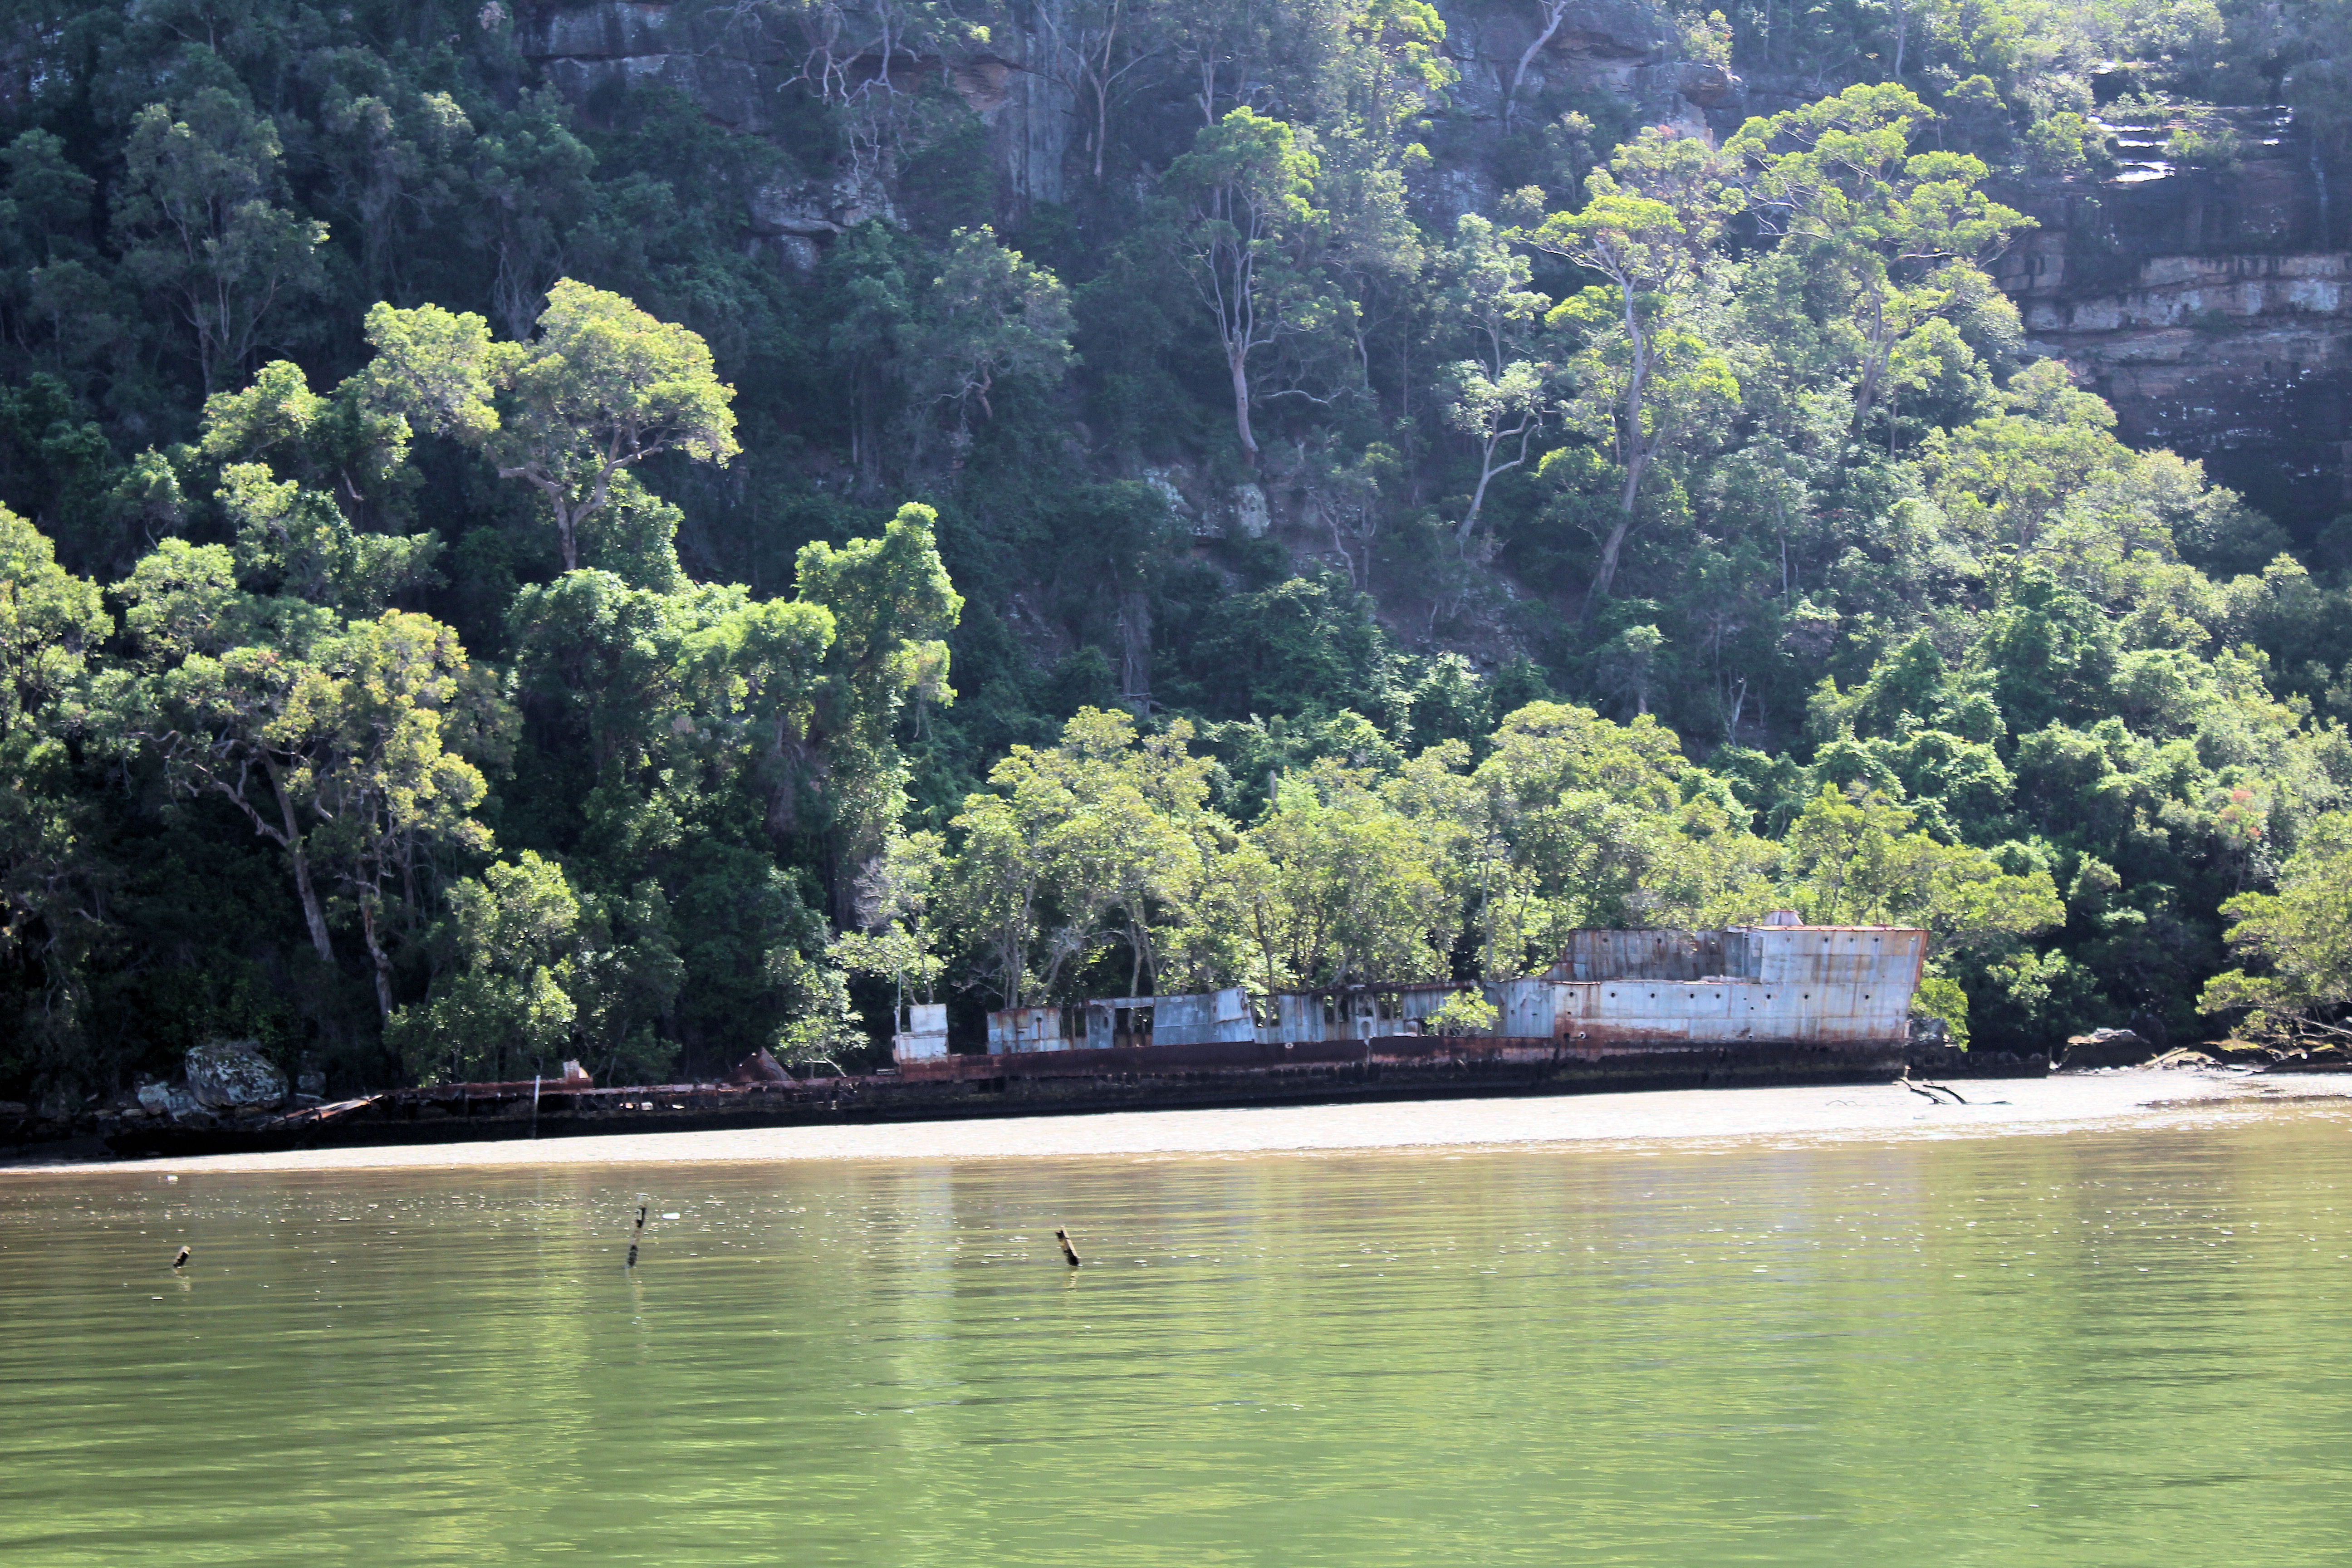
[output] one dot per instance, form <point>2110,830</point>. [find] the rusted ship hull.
<point>1150,1078</point>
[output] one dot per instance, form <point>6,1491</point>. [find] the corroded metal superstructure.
<point>1788,983</point>
<point>1779,983</point>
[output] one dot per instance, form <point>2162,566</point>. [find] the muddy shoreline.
<point>1228,1077</point>
<point>1787,1116</point>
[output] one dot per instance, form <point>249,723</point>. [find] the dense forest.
<point>477,593</point>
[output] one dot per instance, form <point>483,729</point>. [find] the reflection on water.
<point>2113,1348</point>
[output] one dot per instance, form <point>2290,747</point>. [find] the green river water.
<point>2096,1348</point>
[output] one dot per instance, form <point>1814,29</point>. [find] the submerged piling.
<point>636,1236</point>
<point>1067,1250</point>
<point>182,1260</point>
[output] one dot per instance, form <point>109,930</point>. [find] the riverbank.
<point>1217,1076</point>
<point>1672,1117</point>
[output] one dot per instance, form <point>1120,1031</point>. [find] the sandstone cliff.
<point>736,62</point>
<point>2209,307</point>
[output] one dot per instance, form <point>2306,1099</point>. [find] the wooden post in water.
<point>534,1105</point>
<point>181,1261</point>
<point>1067,1250</point>
<point>636,1236</point>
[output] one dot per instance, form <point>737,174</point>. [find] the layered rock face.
<point>735,61</point>
<point>731,71</point>
<point>1620,48</point>
<point>2212,308</point>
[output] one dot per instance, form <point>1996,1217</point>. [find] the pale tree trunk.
<point>1237,358</point>
<point>1607,572</point>
<point>1638,451</point>
<point>1488,469</point>
<point>1135,646</point>
<point>569,513</point>
<point>1012,947</point>
<point>567,517</point>
<point>1331,521</point>
<point>314,913</point>
<point>1865,394</point>
<point>1478,496</point>
<point>1265,952</point>
<point>1102,121</point>
<point>1092,75</point>
<point>383,960</point>
<point>1635,468</point>
<point>1102,96</point>
<point>1554,12</point>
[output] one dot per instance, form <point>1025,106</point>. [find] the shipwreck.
<point>1776,1003</point>
<point>1777,983</point>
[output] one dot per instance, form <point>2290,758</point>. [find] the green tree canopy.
<point>601,387</point>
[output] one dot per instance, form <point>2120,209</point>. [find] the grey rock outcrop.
<point>736,62</point>
<point>812,207</point>
<point>232,1075</point>
<point>1252,517</point>
<point>1597,45</point>
<point>2106,1048</point>
<point>1704,86</point>
<point>731,67</point>
<point>166,1099</point>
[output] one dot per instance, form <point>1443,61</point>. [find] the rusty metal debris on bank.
<point>1779,1002</point>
